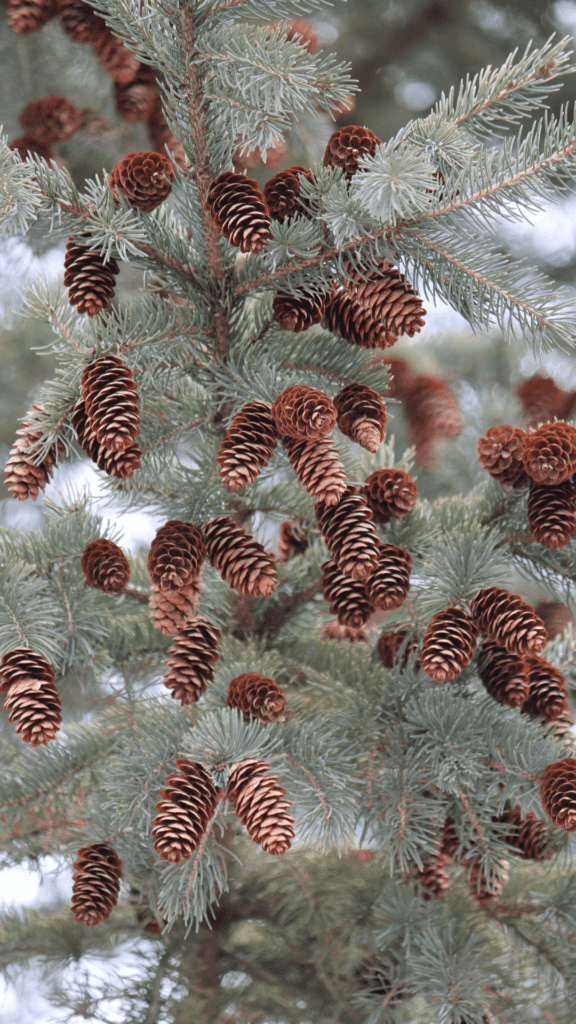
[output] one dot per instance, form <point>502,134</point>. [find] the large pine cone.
<point>90,281</point>
<point>105,566</point>
<point>550,453</point>
<point>551,514</point>
<point>240,211</point>
<point>388,586</point>
<point>25,668</point>
<point>390,493</point>
<point>143,179</point>
<point>543,401</point>
<point>247,446</point>
<point>507,620</point>
<point>185,808</point>
<point>117,60</point>
<point>500,453</point>
<point>24,145</point>
<point>96,883</point>
<point>548,695</point>
<point>51,120</point>
<point>347,598</point>
<point>111,401</point>
<point>298,312</point>
<point>136,100</point>
<point>318,468</point>
<point>433,877</point>
<point>558,793</point>
<point>293,540</point>
<point>25,16</point>
<point>282,193</point>
<point>257,696</point>
<point>193,652</point>
<point>240,559</point>
<point>349,534</point>
<point>361,415</point>
<point>27,679</point>
<point>389,645</point>
<point>80,21</point>
<point>171,610</point>
<point>258,801</point>
<point>504,675</point>
<point>176,555</point>
<point>530,837</point>
<point>355,323</point>
<point>448,644</point>
<point>388,297</point>
<point>119,464</point>
<point>303,413</point>
<point>24,479</point>
<point>347,146</point>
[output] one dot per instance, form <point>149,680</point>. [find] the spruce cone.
<point>389,645</point>
<point>390,494</point>
<point>388,297</point>
<point>51,120</point>
<point>161,136</point>
<point>136,100</point>
<point>247,446</point>
<point>550,453</point>
<point>555,616</point>
<point>530,837</point>
<point>448,644</point>
<point>318,468</point>
<point>558,793</point>
<point>25,668</point>
<point>500,453</point>
<point>450,840</point>
<point>239,210</point>
<point>24,479</point>
<point>32,698</point>
<point>257,696</point>
<point>303,413</point>
<point>507,620</point>
<point>176,555</point>
<point>186,806</point>
<point>548,695</point>
<point>143,179</point>
<point>347,598</point>
<point>347,146</point>
<point>193,652</point>
<point>97,874</point>
<point>111,402</point>
<point>551,514</point>
<point>89,279</point>
<point>171,610</point>
<point>433,413</point>
<point>388,586</point>
<point>298,312</point>
<point>335,631</point>
<point>25,16</point>
<point>24,146</point>
<point>349,534</point>
<point>433,877</point>
<point>504,675</point>
<point>105,566</point>
<point>354,323</point>
<point>240,559</point>
<point>282,193</point>
<point>117,464</point>
<point>543,401</point>
<point>115,58</point>
<point>80,21</point>
<point>403,377</point>
<point>561,728</point>
<point>361,415</point>
<point>293,540</point>
<point>478,886</point>
<point>258,802</point>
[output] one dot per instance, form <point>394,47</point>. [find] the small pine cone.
<point>51,120</point>
<point>548,695</point>
<point>388,296</point>
<point>97,874</point>
<point>25,145</point>
<point>551,514</point>
<point>480,889</point>
<point>355,323</point>
<point>247,446</point>
<point>530,837</point>
<point>239,210</point>
<point>347,598</point>
<point>172,610</point>
<point>361,415</point>
<point>349,534</point>
<point>89,279</point>
<point>161,136</point>
<point>105,566</point>
<point>111,401</point>
<point>239,559</point>
<point>504,675</point>
<point>448,644</point>
<point>117,464</point>
<point>558,793</point>
<point>555,616</point>
<point>116,59</point>
<point>257,696</point>
<point>282,193</point>
<point>301,31</point>
<point>293,540</point>
<point>27,679</point>
<point>136,100</point>
<point>193,652</point>
<point>24,479</point>
<point>335,631</point>
<point>143,179</point>
<point>80,21</point>
<point>550,453</point>
<point>258,802</point>
<point>26,16</point>
<point>25,668</point>
<point>389,645</point>
<point>347,146</point>
<point>303,413</point>
<point>388,586</point>
<point>318,468</point>
<point>176,555</point>
<point>298,312</point>
<point>390,493</point>
<point>542,400</point>
<point>185,808</point>
<point>507,620</point>
<point>433,877</point>
<point>500,453</point>
<point>449,839</point>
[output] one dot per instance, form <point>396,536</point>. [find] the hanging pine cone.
<point>303,413</point>
<point>105,566</point>
<point>551,514</point>
<point>161,136</point>
<point>258,802</point>
<point>193,652</point>
<point>347,598</point>
<point>555,616</point>
<point>361,415</point>
<point>504,675</point>
<point>282,193</point>
<point>51,120</point>
<point>548,695</point>
<point>543,401</point>
<point>117,464</point>
<point>355,323</point>
<point>247,446</point>
<point>387,295</point>
<point>318,468</point>
<point>24,146</point>
<point>349,534</point>
<point>239,210</point>
<point>136,100</point>
<point>111,402</point>
<point>507,620</point>
<point>480,888</point>
<point>433,877</point>
<point>23,478</point>
<point>388,586</point>
<point>550,453</point>
<point>389,645</point>
<point>530,837</point>
<point>143,179</point>
<point>347,146</point>
<point>558,793</point>
<point>403,377</point>
<point>96,883</point>
<point>293,540</point>
<point>500,453</point>
<point>80,21</point>
<point>433,413</point>
<point>25,16</point>
<point>257,696</point>
<point>116,59</point>
<point>298,312</point>
<point>449,839</point>
<point>32,698</point>
<point>390,493</point>
<point>335,631</point>
<point>171,610</point>
<point>561,728</point>
<point>239,559</point>
<point>185,808</point>
<point>448,644</point>
<point>89,279</point>
<point>24,668</point>
<point>176,555</point>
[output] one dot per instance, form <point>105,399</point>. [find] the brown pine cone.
<point>303,413</point>
<point>298,312</point>
<point>389,645</point>
<point>558,793</point>
<point>301,31</point>
<point>111,402</point>
<point>143,179</point>
<point>403,377</point>
<point>105,566</point>
<point>542,400</point>
<point>433,877</point>
<point>25,16</point>
<point>96,883</point>
<point>507,620</point>
<point>176,555</point>
<point>258,802</point>
<point>550,453</point>
<point>89,279</point>
<point>247,446</point>
<point>388,586</point>
<point>561,728</point>
<point>318,468</point>
<point>80,21</point>
<point>504,675</point>
<point>185,808</point>
<point>449,839</point>
<point>239,559</point>
<point>479,888</point>
<point>390,493</point>
<point>193,652</point>
<point>24,145</point>
<point>282,193</point>
<point>27,679</point>
<point>355,323</point>
<point>117,464</point>
<point>240,211</point>
<point>257,696</point>
<point>555,616</point>
<point>347,598</point>
<point>335,631</point>
<point>51,120</point>
<point>24,479</point>
<point>161,136</point>
<point>530,837</point>
<point>136,100</point>
<point>361,415</point>
<point>448,644</point>
<point>116,59</point>
<point>388,296</point>
<point>293,540</point>
<point>25,668</point>
<point>433,413</point>
<point>548,695</point>
<point>349,534</point>
<point>171,610</point>
<point>347,146</point>
<point>551,514</point>
<point>500,453</point>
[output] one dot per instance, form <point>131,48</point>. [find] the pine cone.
<point>247,446</point>
<point>555,616</point>
<point>335,631</point>
<point>433,413</point>
<point>561,728</point>
<point>403,377</point>
<point>176,555</point>
<point>25,668</point>
<point>117,464</point>
<point>239,559</point>
<point>51,120</point>
<point>293,540</point>
<point>500,453</point>
<point>388,297</point>
<point>480,889</point>
<point>301,31</point>
<point>433,877</point>
<point>26,16</point>
<point>193,652</point>
<point>115,58</point>
<point>347,598</point>
<point>449,839</point>
<point>390,493</point>
<point>97,874</point>
<point>448,644</point>
<point>186,806</point>
<point>89,279</point>
<point>239,210</point>
<point>548,695</point>
<point>111,402</point>
<point>543,401</point>
<point>349,534</point>
<point>105,566</point>
<point>172,610</point>
<point>136,100</point>
<point>80,21</point>
<point>143,179</point>
<point>530,837</point>
<point>318,468</point>
<point>551,514</point>
<point>558,793</point>
<point>161,136</point>
<point>258,802</point>
<point>550,453</point>
<point>242,160</point>
<point>354,323</point>
<point>389,645</point>
<point>388,586</point>
<point>303,413</point>
<point>257,696</point>
<point>507,620</point>
<point>282,193</point>
<point>298,312</point>
<point>32,698</point>
<point>361,415</point>
<point>24,479</point>
<point>24,145</point>
<point>504,675</point>
<point>347,146</point>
